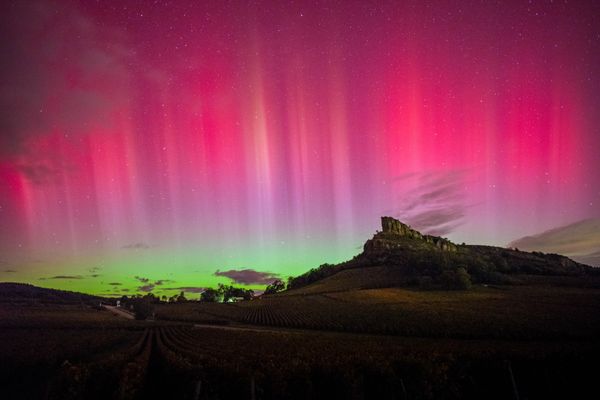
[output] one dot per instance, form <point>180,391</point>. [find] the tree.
<point>277,286</point>
<point>210,295</point>
<point>181,298</point>
<point>142,309</point>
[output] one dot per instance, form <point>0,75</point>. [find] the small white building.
<point>235,299</point>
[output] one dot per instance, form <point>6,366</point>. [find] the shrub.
<point>458,279</point>
<point>276,286</point>
<point>142,309</point>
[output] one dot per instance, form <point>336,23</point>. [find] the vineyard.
<point>526,312</point>
<point>108,357</point>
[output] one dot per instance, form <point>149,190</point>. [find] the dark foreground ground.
<point>534,342</point>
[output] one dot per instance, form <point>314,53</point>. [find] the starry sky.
<point>158,146</point>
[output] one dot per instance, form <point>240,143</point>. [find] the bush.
<point>276,286</point>
<point>458,279</point>
<point>142,309</point>
<point>211,295</point>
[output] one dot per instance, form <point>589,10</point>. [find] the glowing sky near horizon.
<point>149,144</point>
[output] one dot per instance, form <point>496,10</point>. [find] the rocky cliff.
<point>394,233</point>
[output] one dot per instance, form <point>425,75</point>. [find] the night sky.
<point>159,145</point>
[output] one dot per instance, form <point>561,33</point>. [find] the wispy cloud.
<point>36,104</point>
<point>589,259</point>
<point>62,277</point>
<point>248,276</point>
<point>188,289</point>
<point>146,285</point>
<point>149,285</point>
<point>432,202</point>
<point>580,241</point>
<point>137,246</point>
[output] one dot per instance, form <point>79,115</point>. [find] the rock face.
<point>393,234</point>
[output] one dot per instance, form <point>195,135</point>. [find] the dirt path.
<point>119,311</point>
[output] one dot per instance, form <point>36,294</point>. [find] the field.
<point>525,312</point>
<point>534,341</point>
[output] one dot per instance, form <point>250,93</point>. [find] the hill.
<point>402,256</point>
<point>409,284</point>
<point>25,293</point>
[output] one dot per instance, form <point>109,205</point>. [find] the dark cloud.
<point>38,98</point>
<point>146,288</point>
<point>580,241</point>
<point>94,275</point>
<point>432,202</point>
<point>248,276</point>
<point>148,285</point>
<point>188,289</point>
<point>62,277</point>
<point>115,283</point>
<point>137,246</point>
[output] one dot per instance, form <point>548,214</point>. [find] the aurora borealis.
<point>165,141</point>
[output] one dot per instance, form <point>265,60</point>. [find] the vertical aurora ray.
<point>172,141</point>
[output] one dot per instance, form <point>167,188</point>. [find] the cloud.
<point>589,259</point>
<point>432,202</point>
<point>188,289</point>
<point>40,98</point>
<point>137,246</point>
<point>437,222</point>
<point>579,240</point>
<point>146,288</point>
<point>248,276</point>
<point>62,277</point>
<point>115,283</point>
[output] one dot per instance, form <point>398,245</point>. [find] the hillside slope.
<point>400,256</point>
<point>25,293</point>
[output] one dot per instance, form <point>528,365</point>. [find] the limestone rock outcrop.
<point>393,234</point>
